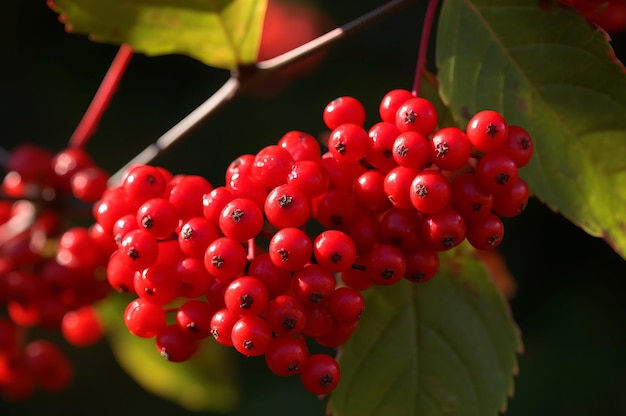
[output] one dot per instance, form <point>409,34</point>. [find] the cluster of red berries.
<point>50,267</point>
<point>277,256</point>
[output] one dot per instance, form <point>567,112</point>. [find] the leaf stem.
<point>330,37</point>
<point>87,125</point>
<point>429,17</point>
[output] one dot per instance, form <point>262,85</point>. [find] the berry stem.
<point>224,94</point>
<point>87,125</point>
<point>318,43</point>
<point>429,18</point>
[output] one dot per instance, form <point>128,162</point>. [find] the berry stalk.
<point>429,18</point>
<point>87,125</point>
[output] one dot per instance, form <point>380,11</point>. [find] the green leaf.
<point>204,383</point>
<point>551,72</point>
<point>446,347</point>
<point>220,33</point>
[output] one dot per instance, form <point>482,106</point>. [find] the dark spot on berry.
<point>390,198</point>
<point>133,253</point>
<point>164,353</point>
<point>492,130</point>
<point>448,242</point>
<point>402,150</point>
<point>421,190</point>
<point>340,148</point>
<point>326,380</point>
<point>285,201</point>
<point>186,232</point>
<point>148,291</point>
<point>237,215</point>
<point>316,297</point>
<point>150,179</point>
<point>246,301</point>
<point>336,220</point>
<point>284,254</point>
<point>416,277</point>
<point>442,149</point>
<point>192,327</point>
<point>185,284</point>
<point>387,153</point>
<point>215,333</point>
<point>217,261</point>
<point>295,366</point>
<point>388,273</point>
<point>493,240</point>
<point>289,323</point>
<point>409,117</point>
<point>122,289</point>
<point>147,222</point>
<point>502,178</point>
<point>335,257</point>
<point>524,143</point>
<point>476,206</point>
<point>249,345</point>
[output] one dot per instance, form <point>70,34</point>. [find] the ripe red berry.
<point>417,114</point>
<point>385,264</point>
<point>287,206</point>
<point>175,345</point>
<point>225,259</point>
<point>348,142</point>
<point>390,103</point>
<point>241,219</point>
<point>487,130</point>
<point>450,148</point>
<point>443,230</point>
<point>334,250</point>
<point>251,335</point>
<point>485,234</point>
<point>320,374</point>
<point>343,110</point>
<point>430,191</point>
<point>82,327</point>
<point>285,356</point>
<point>290,249</point>
<point>246,295</point>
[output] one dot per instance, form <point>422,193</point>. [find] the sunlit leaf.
<point>205,382</point>
<point>446,347</point>
<point>220,33</point>
<point>550,71</point>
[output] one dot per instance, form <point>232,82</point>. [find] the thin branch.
<point>318,43</point>
<point>429,17</point>
<point>224,94</point>
<point>87,125</point>
<point>230,89</point>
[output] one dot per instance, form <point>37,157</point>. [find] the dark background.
<point>570,303</point>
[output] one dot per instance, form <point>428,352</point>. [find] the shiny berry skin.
<point>195,236</point>
<point>346,304</point>
<point>193,277</point>
<point>310,177</point>
<point>290,249</point>
<point>214,202</point>
<point>300,145</point>
<point>336,209</point>
<point>139,249</point>
<point>175,345</point>
<point>82,327</point>
<point>285,315</point>
<point>222,323</point>
<point>390,103</point>
<point>443,230</point>
<point>485,234</point>
<point>144,182</point>
<point>246,295</point>
<point>320,374</point>
<point>487,130</point>
<point>334,250</point>
<point>144,319</point>
<point>410,149</point>
<point>369,191</point>
<point>69,161</point>
<point>194,318</point>
<point>417,114</point>
<point>401,228</point>
<point>343,110</point>
<point>450,148</point>
<point>430,191</point>
<point>48,365</point>
<point>159,217</point>
<point>185,193</point>
<point>348,142</point>
<point>469,199</point>
<point>512,202</point>
<point>313,285</point>
<point>271,166</point>
<point>357,279</point>
<point>287,206</point>
<point>89,184</point>
<point>225,259</point>
<point>251,336</point>
<point>379,152</point>
<point>385,264</point>
<point>275,279</point>
<point>519,146</point>
<point>422,263</point>
<point>157,283</point>
<point>241,219</point>
<point>285,356</point>
<point>496,172</point>
<point>397,186</point>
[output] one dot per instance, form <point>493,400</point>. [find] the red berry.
<point>241,219</point>
<point>348,142</point>
<point>285,356</point>
<point>391,102</point>
<point>417,114</point>
<point>290,249</point>
<point>320,374</point>
<point>251,335</point>
<point>334,250</point>
<point>487,130</point>
<point>246,295</point>
<point>344,110</point>
<point>82,327</point>
<point>430,191</point>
